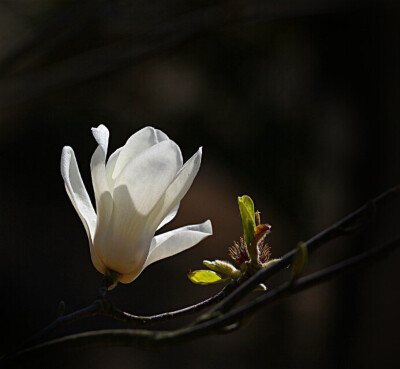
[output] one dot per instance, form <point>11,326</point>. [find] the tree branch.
<point>91,310</point>
<point>152,339</point>
<point>347,225</point>
<point>103,307</point>
<point>138,320</point>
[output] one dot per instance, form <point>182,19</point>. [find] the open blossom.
<point>137,192</point>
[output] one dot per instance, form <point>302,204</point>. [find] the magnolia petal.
<point>171,243</point>
<point>171,215</point>
<point>101,135</point>
<point>137,189</point>
<point>136,144</point>
<point>178,188</point>
<point>129,278</point>
<point>80,200</point>
<point>148,176</point>
<point>110,166</point>
<point>176,241</point>
<point>126,242</point>
<point>96,260</point>
<point>98,162</point>
<point>104,202</point>
<point>76,191</point>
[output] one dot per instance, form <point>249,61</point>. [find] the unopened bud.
<point>222,266</point>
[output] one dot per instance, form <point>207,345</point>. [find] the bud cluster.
<point>252,252</point>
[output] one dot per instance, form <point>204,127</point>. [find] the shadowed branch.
<point>153,339</point>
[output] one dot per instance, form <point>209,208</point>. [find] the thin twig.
<point>138,320</point>
<point>91,310</point>
<point>103,307</point>
<point>152,339</point>
<point>317,277</point>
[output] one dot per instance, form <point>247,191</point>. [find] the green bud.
<point>246,208</point>
<point>205,277</point>
<point>222,267</point>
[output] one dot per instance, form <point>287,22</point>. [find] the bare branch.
<point>91,310</point>
<point>153,339</point>
<point>103,307</point>
<point>137,320</point>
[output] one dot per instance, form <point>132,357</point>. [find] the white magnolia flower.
<point>137,192</point>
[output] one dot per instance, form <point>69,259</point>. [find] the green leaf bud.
<point>205,277</point>
<point>246,208</point>
<point>222,266</point>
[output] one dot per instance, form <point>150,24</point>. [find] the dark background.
<point>296,103</point>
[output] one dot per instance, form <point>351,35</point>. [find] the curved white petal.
<point>137,189</point>
<point>178,188</point>
<point>178,240</point>
<point>80,199</point>
<point>76,190</point>
<point>171,215</point>
<point>171,243</point>
<point>104,202</point>
<point>128,278</point>
<point>136,144</point>
<point>148,176</point>
<point>110,166</point>
<point>126,241</point>
<point>98,161</point>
